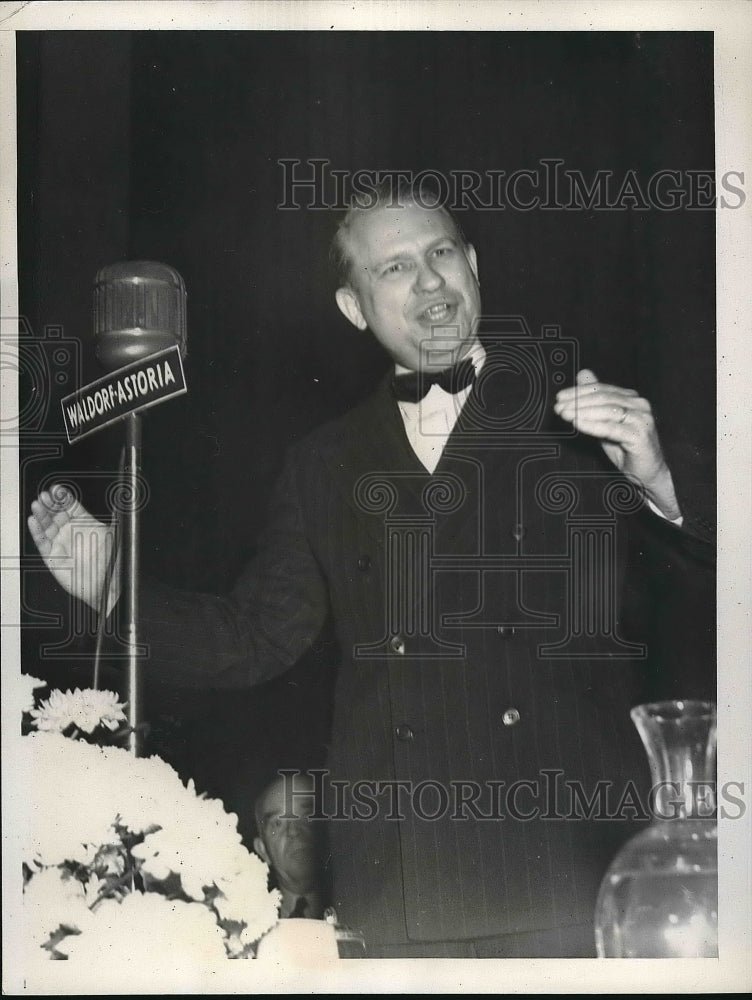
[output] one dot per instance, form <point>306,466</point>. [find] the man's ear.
<point>260,849</point>
<point>472,258</point>
<point>350,307</point>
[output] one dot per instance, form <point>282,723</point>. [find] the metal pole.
<point>131,536</point>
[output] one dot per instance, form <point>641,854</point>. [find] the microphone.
<point>139,309</point>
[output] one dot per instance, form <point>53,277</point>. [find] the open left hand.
<point>624,424</point>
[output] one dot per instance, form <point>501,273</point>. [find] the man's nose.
<point>427,278</point>
<point>296,828</point>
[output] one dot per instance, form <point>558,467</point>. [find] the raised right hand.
<point>75,546</point>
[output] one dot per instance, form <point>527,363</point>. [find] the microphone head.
<point>139,309</point>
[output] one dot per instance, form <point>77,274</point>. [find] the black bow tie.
<point>413,386</point>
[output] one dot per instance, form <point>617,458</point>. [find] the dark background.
<point>165,146</point>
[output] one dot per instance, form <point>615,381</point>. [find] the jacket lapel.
<point>371,449</point>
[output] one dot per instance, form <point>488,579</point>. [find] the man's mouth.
<point>305,852</point>
<point>438,312</point>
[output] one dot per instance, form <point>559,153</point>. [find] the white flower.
<point>86,805</point>
<point>147,930</point>
<point>28,685</point>
<point>84,709</point>
<point>201,849</point>
<point>52,900</point>
<point>244,899</point>
<point>152,792</point>
<point>73,804</point>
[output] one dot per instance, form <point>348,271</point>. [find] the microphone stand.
<point>104,597</point>
<point>131,538</point>
<point>139,311</point>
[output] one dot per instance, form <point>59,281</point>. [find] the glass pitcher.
<point>659,897</point>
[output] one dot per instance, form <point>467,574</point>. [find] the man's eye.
<point>442,251</point>
<point>395,268</point>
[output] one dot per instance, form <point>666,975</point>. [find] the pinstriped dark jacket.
<point>485,666</point>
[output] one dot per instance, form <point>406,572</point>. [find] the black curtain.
<point>167,146</point>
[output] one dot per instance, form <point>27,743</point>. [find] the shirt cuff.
<point>678,521</point>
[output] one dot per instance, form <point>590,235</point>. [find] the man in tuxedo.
<point>469,547</point>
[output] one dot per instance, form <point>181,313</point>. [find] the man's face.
<point>291,847</point>
<point>413,283</point>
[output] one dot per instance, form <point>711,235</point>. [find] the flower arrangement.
<point>121,858</point>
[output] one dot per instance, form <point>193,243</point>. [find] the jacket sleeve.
<point>274,613</point>
<point>671,589</point>
<point>693,472</point>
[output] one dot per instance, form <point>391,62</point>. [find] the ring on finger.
<point>623,416</point>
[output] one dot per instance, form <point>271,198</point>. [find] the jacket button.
<point>397,645</point>
<point>404,732</point>
<point>518,532</point>
<point>505,631</point>
<point>364,563</point>
<point>511,717</point>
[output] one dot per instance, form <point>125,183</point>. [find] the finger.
<point>39,536</point>
<point>48,504</point>
<point>609,429</point>
<point>585,376</point>
<point>72,510</point>
<point>50,529</point>
<point>63,505</point>
<point>611,401</point>
<point>49,520</point>
<point>60,493</point>
<point>594,389</point>
<point>65,500</point>
<point>57,498</point>
<point>608,414</point>
<point>40,513</point>
<point>596,411</point>
<point>46,500</point>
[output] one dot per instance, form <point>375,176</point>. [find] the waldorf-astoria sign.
<point>137,386</point>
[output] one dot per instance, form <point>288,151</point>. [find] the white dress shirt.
<point>430,421</point>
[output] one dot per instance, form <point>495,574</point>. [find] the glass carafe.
<point>659,897</point>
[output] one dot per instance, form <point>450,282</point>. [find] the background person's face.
<point>289,846</point>
<point>413,283</point>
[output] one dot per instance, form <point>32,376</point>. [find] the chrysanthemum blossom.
<point>242,899</point>
<point>214,840</point>
<point>85,710</point>
<point>147,930</point>
<point>28,686</point>
<point>52,900</point>
<point>72,803</point>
